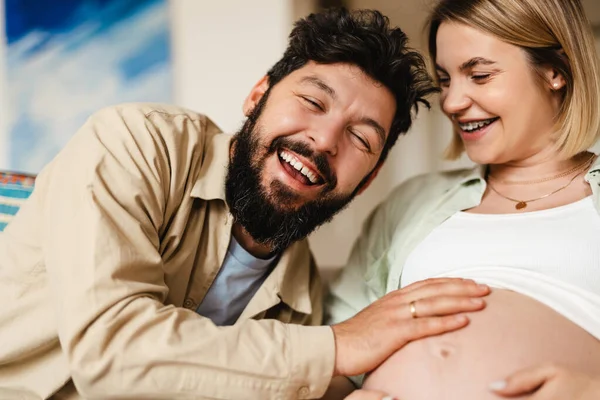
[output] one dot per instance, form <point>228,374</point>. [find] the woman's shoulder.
<point>412,199</point>
<point>431,185</point>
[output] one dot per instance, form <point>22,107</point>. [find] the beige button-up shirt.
<point>104,265</point>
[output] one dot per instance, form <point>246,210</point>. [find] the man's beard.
<point>260,210</point>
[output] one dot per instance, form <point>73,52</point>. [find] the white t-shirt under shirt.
<point>549,255</point>
<point>236,283</point>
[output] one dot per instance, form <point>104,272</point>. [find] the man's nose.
<point>326,137</point>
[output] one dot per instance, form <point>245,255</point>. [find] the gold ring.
<point>413,309</point>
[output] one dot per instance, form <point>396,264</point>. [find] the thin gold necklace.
<point>521,204</point>
<point>559,175</point>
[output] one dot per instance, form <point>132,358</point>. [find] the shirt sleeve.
<point>350,292</point>
<point>364,278</point>
<point>105,201</point>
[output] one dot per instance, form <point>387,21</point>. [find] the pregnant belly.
<point>514,331</point>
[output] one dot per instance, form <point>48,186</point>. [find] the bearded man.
<point>160,258</point>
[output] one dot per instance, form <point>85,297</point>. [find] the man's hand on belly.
<point>549,382</point>
<point>367,339</point>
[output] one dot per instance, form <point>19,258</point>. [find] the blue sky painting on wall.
<point>69,58</point>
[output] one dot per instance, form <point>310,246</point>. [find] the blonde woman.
<point>520,81</point>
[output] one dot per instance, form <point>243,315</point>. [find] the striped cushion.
<point>15,188</point>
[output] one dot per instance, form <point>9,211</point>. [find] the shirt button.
<point>189,303</point>
<point>303,392</point>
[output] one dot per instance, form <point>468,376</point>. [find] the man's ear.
<point>257,92</point>
<point>370,179</point>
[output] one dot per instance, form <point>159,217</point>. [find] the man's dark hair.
<point>363,38</point>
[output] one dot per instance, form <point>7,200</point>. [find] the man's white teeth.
<point>294,162</point>
<point>471,126</point>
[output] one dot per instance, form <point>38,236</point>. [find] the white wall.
<point>221,48</point>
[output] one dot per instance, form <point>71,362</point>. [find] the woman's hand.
<point>423,309</point>
<point>549,382</point>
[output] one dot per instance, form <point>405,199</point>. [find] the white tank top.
<point>551,255</point>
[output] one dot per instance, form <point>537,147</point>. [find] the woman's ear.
<point>257,92</point>
<point>555,79</point>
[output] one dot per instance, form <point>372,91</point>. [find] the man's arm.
<point>105,201</point>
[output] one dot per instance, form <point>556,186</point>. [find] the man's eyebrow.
<point>378,128</point>
<point>320,84</point>
<point>469,64</point>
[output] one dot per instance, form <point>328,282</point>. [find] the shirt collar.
<point>593,178</point>
<point>593,174</point>
<point>291,278</point>
<point>475,174</point>
<point>289,282</point>
<point>210,183</point>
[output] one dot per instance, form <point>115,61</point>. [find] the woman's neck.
<point>537,166</point>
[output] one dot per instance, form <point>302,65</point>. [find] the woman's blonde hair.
<point>553,33</point>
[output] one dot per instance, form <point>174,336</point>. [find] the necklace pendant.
<point>521,205</point>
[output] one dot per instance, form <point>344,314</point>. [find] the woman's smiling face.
<point>497,101</point>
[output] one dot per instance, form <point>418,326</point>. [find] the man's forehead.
<point>328,73</point>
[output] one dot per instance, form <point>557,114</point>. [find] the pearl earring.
<point>555,85</point>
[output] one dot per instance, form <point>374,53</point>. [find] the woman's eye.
<point>480,77</point>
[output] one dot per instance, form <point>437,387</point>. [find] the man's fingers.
<point>523,382</point>
<point>424,327</point>
<point>445,305</point>
<point>452,287</point>
<point>363,394</point>
<point>430,281</point>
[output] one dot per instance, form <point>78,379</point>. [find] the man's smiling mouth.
<point>307,174</point>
